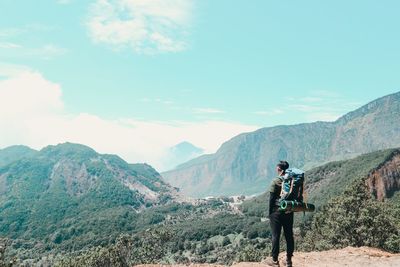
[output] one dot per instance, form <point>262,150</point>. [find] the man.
<point>279,219</point>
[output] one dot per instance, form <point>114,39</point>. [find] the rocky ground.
<point>349,256</point>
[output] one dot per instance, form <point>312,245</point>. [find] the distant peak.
<point>14,153</point>
<point>388,102</point>
<point>186,145</point>
<point>17,148</point>
<point>67,149</point>
<point>70,145</point>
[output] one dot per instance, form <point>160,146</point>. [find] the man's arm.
<point>272,200</point>
<point>273,196</point>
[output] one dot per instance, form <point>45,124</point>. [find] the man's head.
<point>282,166</point>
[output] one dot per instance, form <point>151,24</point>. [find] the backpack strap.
<point>291,186</point>
<point>282,178</point>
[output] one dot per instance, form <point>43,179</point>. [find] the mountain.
<point>71,194</point>
<point>181,153</point>
<point>246,163</point>
<point>358,205</point>
<point>13,153</point>
<point>223,231</point>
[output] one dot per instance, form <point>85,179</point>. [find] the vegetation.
<point>68,198</point>
<point>97,221</point>
<point>13,153</point>
<point>208,231</point>
<point>257,206</point>
<point>354,219</point>
<point>168,245</point>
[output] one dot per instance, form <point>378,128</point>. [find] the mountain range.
<point>246,163</point>
<point>68,197</point>
<point>357,205</point>
<point>70,193</point>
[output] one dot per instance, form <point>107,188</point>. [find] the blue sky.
<point>236,64</point>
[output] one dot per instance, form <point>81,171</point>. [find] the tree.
<point>353,219</point>
<point>226,241</point>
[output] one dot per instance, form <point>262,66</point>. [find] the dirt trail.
<point>363,257</point>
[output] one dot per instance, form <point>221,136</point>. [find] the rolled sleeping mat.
<point>291,205</point>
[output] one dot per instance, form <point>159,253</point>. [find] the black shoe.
<point>289,262</point>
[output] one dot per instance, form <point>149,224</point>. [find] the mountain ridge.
<point>12,153</point>
<point>245,163</point>
<point>71,194</point>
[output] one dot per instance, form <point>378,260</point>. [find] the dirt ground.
<point>364,257</point>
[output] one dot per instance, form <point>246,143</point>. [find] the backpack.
<point>292,185</point>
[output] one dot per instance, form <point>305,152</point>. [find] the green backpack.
<point>291,197</point>
<point>292,185</point>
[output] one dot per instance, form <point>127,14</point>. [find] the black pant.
<point>278,220</point>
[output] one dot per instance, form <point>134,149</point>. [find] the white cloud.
<point>303,107</point>
<point>35,28</point>
<point>10,70</point>
<point>32,113</point>
<point>10,48</point>
<point>311,99</point>
<point>46,52</point>
<point>49,51</point>
<point>317,105</point>
<point>270,112</point>
<point>208,111</point>
<point>8,45</point>
<point>29,92</point>
<point>146,26</point>
<point>324,93</point>
<point>323,116</point>
<point>166,102</point>
<point>10,32</point>
<point>321,105</point>
<point>64,2</point>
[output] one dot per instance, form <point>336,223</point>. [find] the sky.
<point>135,77</point>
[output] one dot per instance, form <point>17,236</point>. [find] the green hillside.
<point>330,180</point>
<point>68,197</point>
<point>13,153</point>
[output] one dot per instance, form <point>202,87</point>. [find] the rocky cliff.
<point>384,181</point>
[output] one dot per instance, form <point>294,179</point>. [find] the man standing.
<point>280,219</point>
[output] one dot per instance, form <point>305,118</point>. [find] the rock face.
<point>380,170</point>
<point>245,164</point>
<point>384,181</point>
